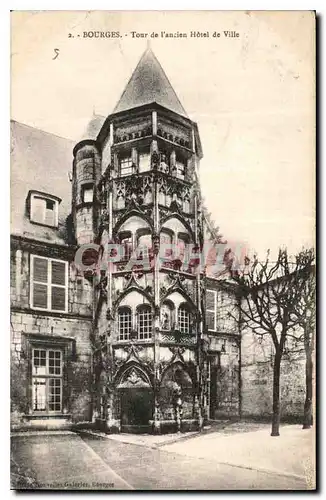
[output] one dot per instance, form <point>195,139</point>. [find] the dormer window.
<point>87,193</point>
<point>44,208</point>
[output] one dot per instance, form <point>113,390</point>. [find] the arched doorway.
<point>176,384</point>
<point>136,400</point>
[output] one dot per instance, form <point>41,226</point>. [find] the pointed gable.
<point>148,84</point>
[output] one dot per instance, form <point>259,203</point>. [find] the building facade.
<point>115,317</point>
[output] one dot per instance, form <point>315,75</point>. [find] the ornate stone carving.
<point>102,287</point>
<point>105,217</point>
<point>155,160</point>
<point>109,314</point>
<point>177,354</point>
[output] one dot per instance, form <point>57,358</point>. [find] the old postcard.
<point>163,250</point>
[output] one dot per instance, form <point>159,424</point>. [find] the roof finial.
<point>148,41</point>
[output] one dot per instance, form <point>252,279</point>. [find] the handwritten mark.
<point>56,54</point>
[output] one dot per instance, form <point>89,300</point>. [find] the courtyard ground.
<point>239,456</point>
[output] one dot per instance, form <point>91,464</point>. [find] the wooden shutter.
<point>40,280</point>
<point>58,293</point>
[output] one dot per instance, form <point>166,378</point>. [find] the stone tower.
<point>145,216</point>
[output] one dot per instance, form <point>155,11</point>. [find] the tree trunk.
<point>276,394</point>
<point>307,414</point>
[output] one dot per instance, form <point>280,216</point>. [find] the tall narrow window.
<point>47,380</point>
<point>183,319</point>
<point>124,323</point>
<point>49,284</point>
<point>126,166</point>
<point>87,193</point>
<point>144,322</point>
<point>211,309</point>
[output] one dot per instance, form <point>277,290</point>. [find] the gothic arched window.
<point>184,319</point>
<point>144,322</point>
<point>124,323</point>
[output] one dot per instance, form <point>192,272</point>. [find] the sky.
<point>252,96</point>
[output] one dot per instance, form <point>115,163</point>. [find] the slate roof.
<point>148,84</point>
<point>39,161</point>
<point>93,127</point>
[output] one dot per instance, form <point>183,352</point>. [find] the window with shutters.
<point>211,309</point>
<point>47,380</point>
<point>49,284</point>
<point>44,209</point>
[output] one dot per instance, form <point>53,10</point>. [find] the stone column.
<point>156,286</point>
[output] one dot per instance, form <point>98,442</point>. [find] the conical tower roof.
<point>148,84</point>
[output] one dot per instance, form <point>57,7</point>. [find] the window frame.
<point>46,197</point>
<point>49,284</point>
<point>184,307</point>
<point>211,310</point>
<point>122,310</point>
<point>180,167</point>
<point>47,377</point>
<point>123,159</point>
<point>144,308</point>
<point>89,186</point>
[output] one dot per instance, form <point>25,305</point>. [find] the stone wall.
<point>224,379</point>
<point>25,326</point>
<point>71,331</point>
<point>257,379</point>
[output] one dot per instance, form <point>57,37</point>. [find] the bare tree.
<point>270,293</point>
<point>305,311</point>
